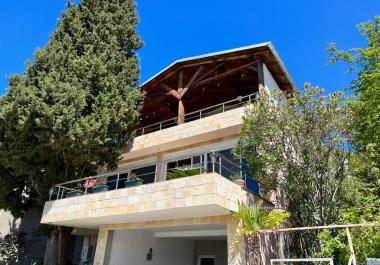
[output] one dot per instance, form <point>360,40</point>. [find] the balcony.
<point>123,197</point>
<point>208,124</point>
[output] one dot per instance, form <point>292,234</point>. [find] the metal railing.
<point>199,114</point>
<point>213,162</point>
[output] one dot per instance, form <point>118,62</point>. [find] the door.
<point>206,260</point>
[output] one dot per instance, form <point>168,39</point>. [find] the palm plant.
<point>256,218</point>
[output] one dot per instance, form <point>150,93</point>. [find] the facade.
<point>171,198</point>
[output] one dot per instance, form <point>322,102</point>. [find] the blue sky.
<point>171,30</point>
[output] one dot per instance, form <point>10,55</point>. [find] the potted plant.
<point>176,173</point>
<point>236,178</point>
<point>100,188</point>
<point>133,180</point>
<point>74,193</point>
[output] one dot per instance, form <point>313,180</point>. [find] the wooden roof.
<point>206,80</point>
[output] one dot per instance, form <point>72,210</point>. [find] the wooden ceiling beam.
<point>171,91</point>
<point>191,81</point>
<point>227,73</point>
<point>208,73</point>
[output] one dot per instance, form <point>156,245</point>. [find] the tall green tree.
<point>365,64</point>
<point>70,111</point>
<point>362,203</point>
<point>297,147</point>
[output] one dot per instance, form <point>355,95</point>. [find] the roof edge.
<point>263,44</point>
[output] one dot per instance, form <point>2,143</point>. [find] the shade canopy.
<point>194,83</point>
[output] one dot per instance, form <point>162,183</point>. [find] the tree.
<point>363,203</point>
<point>297,145</point>
<point>70,111</point>
<point>12,248</point>
<point>365,63</point>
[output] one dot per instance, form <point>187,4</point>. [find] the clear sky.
<point>171,30</point>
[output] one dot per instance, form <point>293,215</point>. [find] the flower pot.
<point>133,182</point>
<point>240,182</point>
<point>74,193</point>
<point>100,188</point>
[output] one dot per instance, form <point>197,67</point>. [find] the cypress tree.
<point>70,110</point>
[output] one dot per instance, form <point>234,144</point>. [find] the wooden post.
<point>351,246</point>
<point>181,112</point>
<point>181,108</point>
<point>260,79</point>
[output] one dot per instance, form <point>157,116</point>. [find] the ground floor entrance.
<point>185,245</point>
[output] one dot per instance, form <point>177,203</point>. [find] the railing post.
<point>142,131</point>
<point>160,126</point>
<point>213,160</point>
<point>59,190</point>
<point>85,187</point>
<point>117,180</point>
<point>223,107</point>
<point>51,192</point>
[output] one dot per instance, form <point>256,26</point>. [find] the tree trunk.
<point>253,251</point>
<point>57,244</point>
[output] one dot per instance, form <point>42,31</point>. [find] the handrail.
<point>160,124</point>
<point>81,185</point>
<point>233,164</point>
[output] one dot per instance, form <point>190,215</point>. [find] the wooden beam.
<point>260,79</point>
<point>230,72</point>
<point>191,81</point>
<point>171,91</point>
<point>307,228</point>
<point>207,73</point>
<point>351,246</point>
<point>180,82</point>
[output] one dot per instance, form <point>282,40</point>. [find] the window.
<point>193,162</point>
<point>147,174</point>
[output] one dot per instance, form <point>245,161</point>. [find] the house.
<point>170,200</point>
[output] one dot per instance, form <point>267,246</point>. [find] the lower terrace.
<point>221,162</point>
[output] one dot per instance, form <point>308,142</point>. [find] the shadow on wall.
<point>35,244</point>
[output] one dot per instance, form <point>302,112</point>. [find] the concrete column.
<point>235,242</point>
<point>103,246</point>
<point>159,169</point>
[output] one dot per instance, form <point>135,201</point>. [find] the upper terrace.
<point>201,87</point>
<point>195,83</point>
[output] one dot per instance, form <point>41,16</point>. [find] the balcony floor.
<point>198,196</point>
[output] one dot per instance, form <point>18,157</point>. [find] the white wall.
<point>129,247</point>
<point>269,83</point>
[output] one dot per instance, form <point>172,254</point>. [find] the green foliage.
<point>365,63</point>
<point>256,218</point>
<point>70,110</point>
<point>184,172</point>
<point>299,145</point>
<point>12,248</point>
<point>298,148</point>
<point>362,200</point>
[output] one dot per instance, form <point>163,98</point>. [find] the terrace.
<point>199,164</point>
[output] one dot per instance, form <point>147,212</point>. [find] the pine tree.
<point>70,111</point>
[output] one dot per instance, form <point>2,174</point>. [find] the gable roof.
<point>265,51</point>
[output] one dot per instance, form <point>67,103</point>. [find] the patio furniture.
<point>133,182</point>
